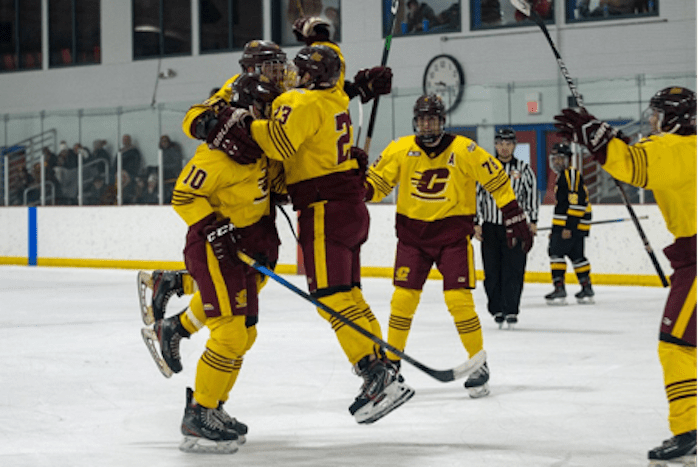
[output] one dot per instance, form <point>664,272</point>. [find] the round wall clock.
<point>444,76</point>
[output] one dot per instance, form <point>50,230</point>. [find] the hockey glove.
<point>310,29</point>
<point>515,221</point>
<point>583,128</point>
<point>373,82</point>
<point>362,159</point>
<point>231,135</point>
<point>222,237</point>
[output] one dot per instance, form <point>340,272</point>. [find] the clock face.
<point>444,77</point>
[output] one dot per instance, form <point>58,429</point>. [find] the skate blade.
<point>585,301</point>
<point>684,461</point>
<point>511,326</point>
<point>479,391</point>
<point>150,338</point>
<point>397,394</point>
<point>144,282</point>
<point>196,445</point>
<point>556,301</point>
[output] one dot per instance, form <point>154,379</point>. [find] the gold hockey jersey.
<point>435,190</point>
<point>667,165</point>
<point>221,97</point>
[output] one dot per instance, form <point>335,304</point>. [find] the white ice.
<point>578,385</point>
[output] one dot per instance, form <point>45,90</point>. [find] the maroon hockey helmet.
<point>429,105</point>
<point>254,92</point>
<point>677,108</point>
<point>256,52</point>
<point>321,63</point>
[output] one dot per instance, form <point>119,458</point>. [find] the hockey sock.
<point>221,358</point>
<point>403,306</point>
<point>193,317</point>
<point>366,311</point>
<point>582,268</point>
<point>558,266</point>
<point>679,364</point>
<point>460,304</point>
<point>252,335</point>
<point>188,284</point>
<point>354,344</point>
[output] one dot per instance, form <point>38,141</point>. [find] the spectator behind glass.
<point>49,156</point>
<point>416,14</point>
<point>491,13</point>
<point>131,157</point>
<point>67,178</point>
<point>25,180</point>
<point>610,7</point>
<point>100,153</point>
<point>172,165</point>
<point>150,195</point>
<point>96,192</point>
<point>131,192</point>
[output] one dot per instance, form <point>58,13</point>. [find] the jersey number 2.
<point>343,124</point>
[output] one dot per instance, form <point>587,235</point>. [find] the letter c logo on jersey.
<point>402,274</point>
<point>431,184</point>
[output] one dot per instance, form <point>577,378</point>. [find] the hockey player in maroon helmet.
<point>666,163</point>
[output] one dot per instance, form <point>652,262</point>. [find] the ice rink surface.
<point>571,386</point>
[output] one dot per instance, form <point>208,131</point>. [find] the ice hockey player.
<point>571,224</point>
<point>225,202</point>
<point>437,174</point>
<point>666,163</point>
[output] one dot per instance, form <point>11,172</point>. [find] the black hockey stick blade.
<point>459,372</point>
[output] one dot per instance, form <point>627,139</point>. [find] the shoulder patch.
<point>471,147</point>
<point>413,154</point>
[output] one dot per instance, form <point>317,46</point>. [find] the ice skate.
<point>585,296</point>
<point>499,319</point>
<point>231,423</point>
<point>680,450</point>
<point>167,333</point>
<point>204,431</point>
<point>558,297</point>
<point>164,284</point>
<point>511,321</point>
<point>151,339</point>
<point>381,391</point>
<point>477,383</point>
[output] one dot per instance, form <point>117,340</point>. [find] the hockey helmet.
<point>429,130</point>
<point>505,134</point>
<point>318,67</point>
<point>560,157</point>
<point>267,58</point>
<point>254,92</point>
<point>675,110</point>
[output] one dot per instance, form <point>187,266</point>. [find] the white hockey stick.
<point>525,8</point>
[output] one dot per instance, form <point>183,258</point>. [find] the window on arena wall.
<point>601,10</point>
<point>74,32</point>
<point>417,17</point>
<point>162,28</point>
<point>491,14</point>
<point>284,12</point>
<point>20,35</point>
<point>228,24</point>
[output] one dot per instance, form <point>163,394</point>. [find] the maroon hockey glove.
<point>579,126</point>
<point>362,159</point>
<point>373,82</point>
<point>517,228</point>
<point>310,29</point>
<point>222,237</point>
<point>231,135</point>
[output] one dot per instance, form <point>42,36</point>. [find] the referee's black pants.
<point>504,270</point>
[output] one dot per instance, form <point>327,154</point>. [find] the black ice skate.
<point>232,424</point>
<point>381,391</point>
<point>585,296</point>
<point>499,319</point>
<point>164,284</point>
<point>167,333</point>
<point>511,321</point>
<point>558,297</point>
<point>679,450</point>
<point>477,383</point>
<point>204,431</point>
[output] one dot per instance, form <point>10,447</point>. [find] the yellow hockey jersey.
<point>667,165</point>
<point>214,103</point>
<point>437,189</point>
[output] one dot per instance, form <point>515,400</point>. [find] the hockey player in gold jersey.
<point>311,133</point>
<point>666,163</point>
<point>437,174</point>
<point>226,205</point>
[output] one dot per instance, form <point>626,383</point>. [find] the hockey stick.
<point>525,8</point>
<point>461,371</point>
<point>385,58</point>
<point>607,221</point>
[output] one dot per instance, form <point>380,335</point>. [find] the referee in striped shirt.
<point>504,268</point>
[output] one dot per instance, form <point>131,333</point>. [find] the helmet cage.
<point>427,129</point>
<point>560,157</point>
<point>254,92</point>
